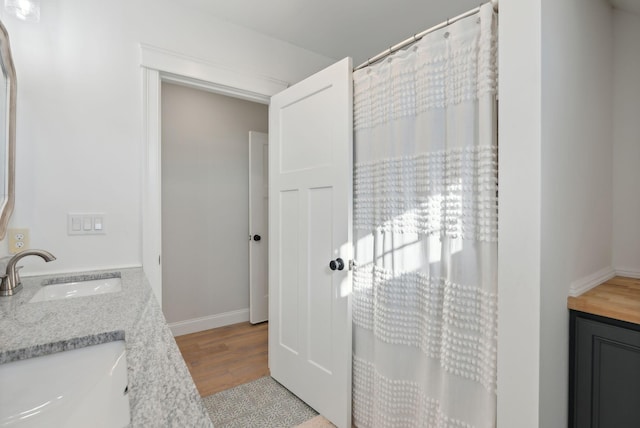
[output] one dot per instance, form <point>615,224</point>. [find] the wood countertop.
<point>617,298</point>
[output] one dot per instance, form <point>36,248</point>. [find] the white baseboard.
<point>628,272</point>
<point>588,282</point>
<point>212,321</point>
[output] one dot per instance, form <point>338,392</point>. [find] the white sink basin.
<point>77,289</point>
<point>85,387</point>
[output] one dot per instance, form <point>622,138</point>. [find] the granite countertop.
<point>617,298</point>
<point>161,391</point>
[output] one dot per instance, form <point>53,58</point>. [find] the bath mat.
<point>261,403</point>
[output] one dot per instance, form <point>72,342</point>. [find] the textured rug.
<point>261,403</point>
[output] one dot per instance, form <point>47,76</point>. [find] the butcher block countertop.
<point>617,298</point>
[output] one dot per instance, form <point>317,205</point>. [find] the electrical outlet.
<point>18,240</point>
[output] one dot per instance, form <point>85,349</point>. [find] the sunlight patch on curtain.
<point>426,232</point>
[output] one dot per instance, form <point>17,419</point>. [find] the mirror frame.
<point>5,56</point>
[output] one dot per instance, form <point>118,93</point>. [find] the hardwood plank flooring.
<point>225,357</point>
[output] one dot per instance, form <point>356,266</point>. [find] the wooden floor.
<point>225,357</point>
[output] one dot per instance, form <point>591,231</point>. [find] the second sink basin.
<point>84,387</point>
<point>79,288</point>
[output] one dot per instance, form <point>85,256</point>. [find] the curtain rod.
<point>418,36</point>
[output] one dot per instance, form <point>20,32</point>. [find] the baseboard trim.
<point>212,321</point>
<point>588,282</point>
<point>628,272</point>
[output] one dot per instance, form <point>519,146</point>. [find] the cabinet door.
<point>607,375</point>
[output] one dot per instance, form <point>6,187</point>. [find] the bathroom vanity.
<point>160,390</point>
<point>604,355</point>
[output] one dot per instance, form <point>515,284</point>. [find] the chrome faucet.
<point>11,282</point>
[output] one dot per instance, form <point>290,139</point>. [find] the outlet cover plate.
<point>18,240</point>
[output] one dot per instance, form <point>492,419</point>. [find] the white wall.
<point>519,220</point>
<point>79,135</point>
<point>626,143</point>
<point>555,192</point>
<point>205,204</point>
<point>577,72</point>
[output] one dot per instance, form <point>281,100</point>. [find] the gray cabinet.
<point>604,388</point>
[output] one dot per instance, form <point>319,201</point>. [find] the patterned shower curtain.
<point>425,217</point>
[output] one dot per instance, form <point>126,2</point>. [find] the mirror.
<point>7,131</point>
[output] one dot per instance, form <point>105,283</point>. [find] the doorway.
<point>205,206</point>
<point>252,87</point>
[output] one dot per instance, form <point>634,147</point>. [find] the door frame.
<point>160,65</point>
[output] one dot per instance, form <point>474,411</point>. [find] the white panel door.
<point>310,193</point>
<point>258,245</point>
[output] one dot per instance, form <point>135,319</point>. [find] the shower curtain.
<point>425,228</point>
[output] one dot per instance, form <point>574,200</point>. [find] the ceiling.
<point>632,6</point>
<point>339,28</point>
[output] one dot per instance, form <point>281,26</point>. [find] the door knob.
<point>337,264</point>
<point>256,237</point>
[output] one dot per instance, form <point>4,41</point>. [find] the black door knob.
<point>337,264</point>
<point>256,237</point>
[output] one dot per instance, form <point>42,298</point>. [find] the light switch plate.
<point>86,224</point>
<point>18,240</point>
